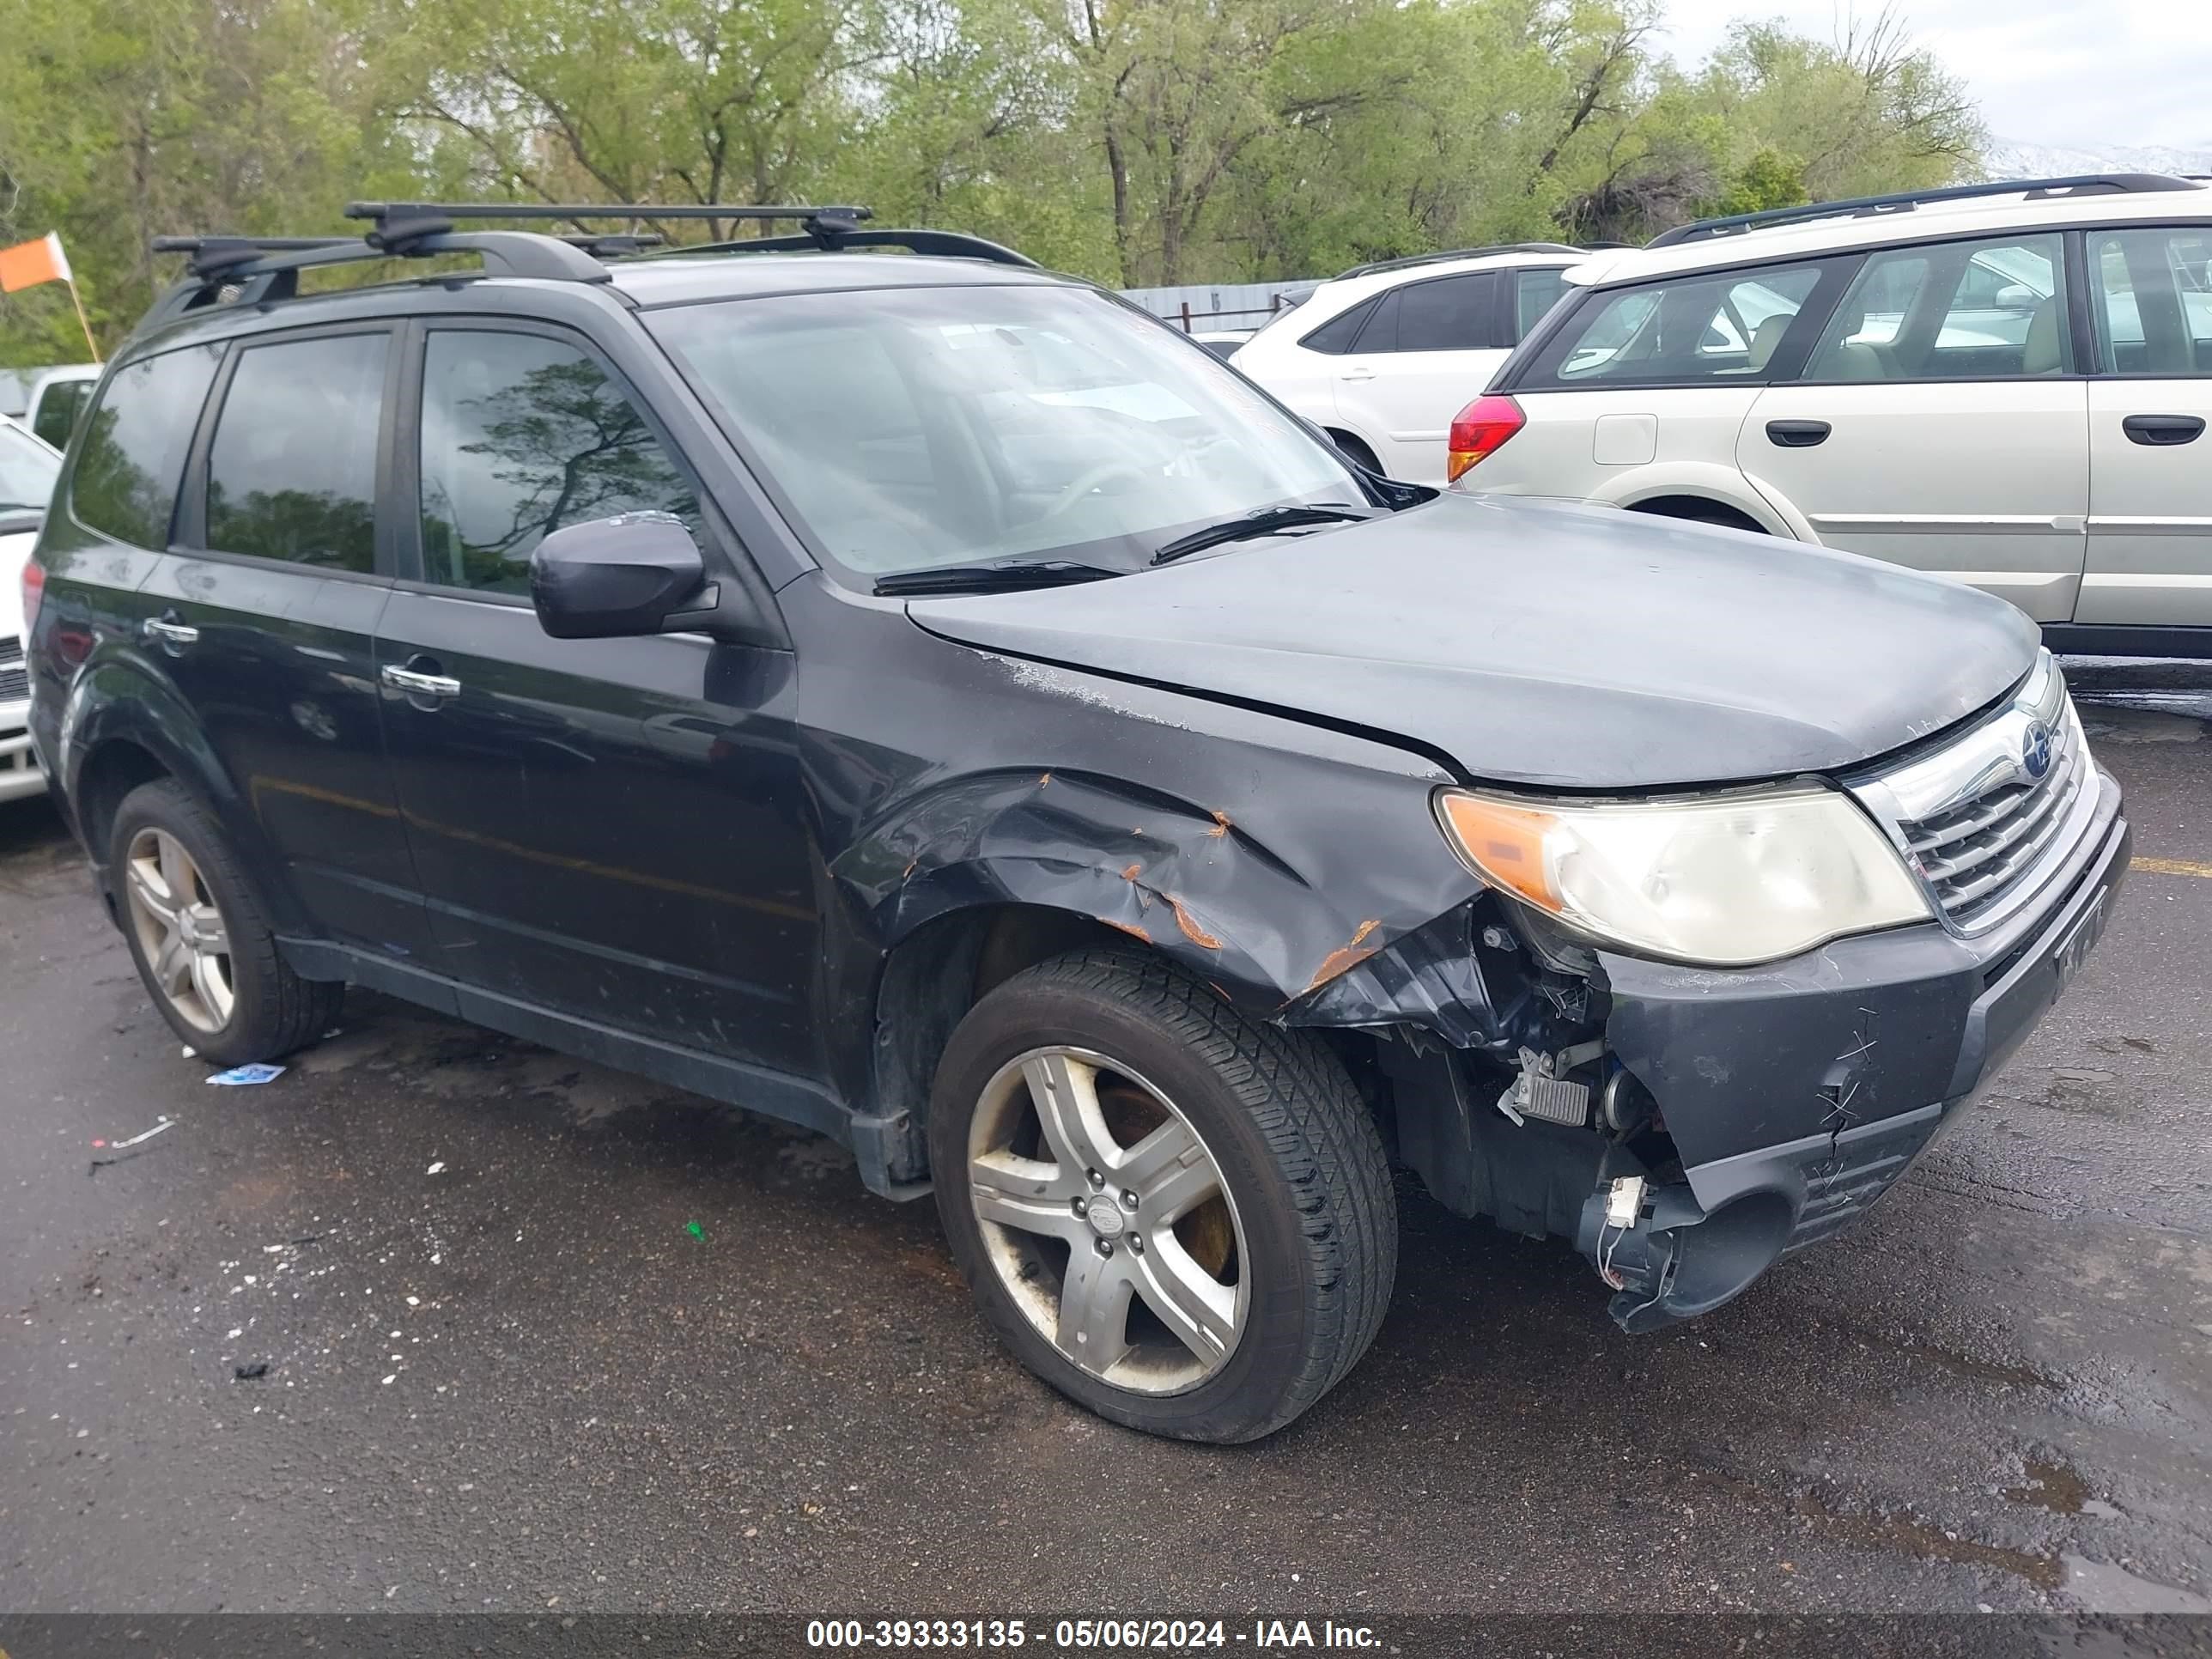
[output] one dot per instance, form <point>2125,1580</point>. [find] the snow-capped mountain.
<point>2011,158</point>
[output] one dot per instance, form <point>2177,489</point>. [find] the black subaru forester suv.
<point>922,697</point>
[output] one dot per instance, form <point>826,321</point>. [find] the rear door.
<point>1426,348</point>
<point>612,828</point>
<point>264,613</point>
<point>1941,422</point>
<point>2150,461</point>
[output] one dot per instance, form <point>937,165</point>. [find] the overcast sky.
<point>2077,72</point>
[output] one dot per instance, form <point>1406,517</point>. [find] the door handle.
<point>2163,431</point>
<point>173,635</point>
<point>1356,374</point>
<point>416,683</point>
<point>1797,435</point>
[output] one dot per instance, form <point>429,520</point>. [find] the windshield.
<point>915,428</point>
<point>28,470</point>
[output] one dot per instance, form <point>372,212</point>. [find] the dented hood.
<point>1542,643</point>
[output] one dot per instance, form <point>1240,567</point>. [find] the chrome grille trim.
<point>14,679</point>
<point>1981,834</point>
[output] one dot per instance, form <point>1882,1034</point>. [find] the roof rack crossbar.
<point>1411,260</point>
<point>211,254</point>
<point>258,270</point>
<point>2035,190</point>
<point>829,239</point>
<point>401,217</point>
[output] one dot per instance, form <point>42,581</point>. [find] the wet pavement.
<point>541,1336</point>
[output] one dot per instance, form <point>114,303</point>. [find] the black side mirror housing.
<point>639,573</point>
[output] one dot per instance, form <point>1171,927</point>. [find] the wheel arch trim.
<point>118,703</point>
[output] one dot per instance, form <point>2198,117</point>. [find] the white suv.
<point>1383,356</point>
<point>28,470</point>
<point>2006,384</point>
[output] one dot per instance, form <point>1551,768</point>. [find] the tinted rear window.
<point>1535,292</point>
<point>292,471</point>
<point>57,410</point>
<point>1452,314</point>
<point>127,473</point>
<point>1335,335</point>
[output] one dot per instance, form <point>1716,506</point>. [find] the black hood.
<point>1542,643</point>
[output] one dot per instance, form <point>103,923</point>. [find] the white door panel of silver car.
<point>1957,349</point>
<point>2150,554</point>
<point>2006,512</point>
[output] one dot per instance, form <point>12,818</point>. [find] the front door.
<point>264,609</point>
<point>612,828</point>
<point>2150,461</point>
<point>1940,422</point>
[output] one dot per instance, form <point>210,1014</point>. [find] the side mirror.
<point>616,578</point>
<point>2018,296</point>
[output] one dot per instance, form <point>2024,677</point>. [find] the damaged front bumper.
<point>1687,1127</point>
<point>1795,1094</point>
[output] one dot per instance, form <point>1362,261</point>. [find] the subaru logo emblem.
<point>2035,750</point>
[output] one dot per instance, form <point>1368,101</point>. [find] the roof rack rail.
<point>2035,190</point>
<point>257,270</point>
<point>1411,260</point>
<point>211,256</point>
<point>823,229</point>
<point>260,269</point>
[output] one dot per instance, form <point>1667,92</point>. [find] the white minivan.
<point>1383,356</point>
<point>2006,384</point>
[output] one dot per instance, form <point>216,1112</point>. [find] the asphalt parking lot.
<point>541,1336</point>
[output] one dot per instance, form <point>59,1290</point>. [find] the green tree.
<point>137,117</point>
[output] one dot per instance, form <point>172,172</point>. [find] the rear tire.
<point>197,934</point>
<point>1691,510</point>
<point>1225,1253</point>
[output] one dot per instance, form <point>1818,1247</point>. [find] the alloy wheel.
<point>180,930</point>
<point>1107,1220</point>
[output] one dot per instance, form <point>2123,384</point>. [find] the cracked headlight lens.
<point>1724,882</point>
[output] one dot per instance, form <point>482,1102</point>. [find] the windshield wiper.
<point>1007,574</point>
<point>1264,522</point>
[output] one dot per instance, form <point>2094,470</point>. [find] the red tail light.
<point>35,589</point>
<point>1482,427</point>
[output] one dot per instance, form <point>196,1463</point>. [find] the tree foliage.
<point>1134,140</point>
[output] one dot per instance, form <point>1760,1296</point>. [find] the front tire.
<point>196,932</point>
<point>1180,1218</point>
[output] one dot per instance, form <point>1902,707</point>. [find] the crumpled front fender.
<point>1182,879</point>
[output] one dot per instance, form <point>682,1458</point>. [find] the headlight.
<point>1724,882</point>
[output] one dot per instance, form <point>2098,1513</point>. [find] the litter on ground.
<point>238,1077</point>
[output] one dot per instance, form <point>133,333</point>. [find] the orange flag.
<point>27,262</point>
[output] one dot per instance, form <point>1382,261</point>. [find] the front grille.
<point>15,681</point>
<point>1972,853</point>
<point>1982,818</point>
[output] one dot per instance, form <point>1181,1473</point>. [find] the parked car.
<point>2004,384</point>
<point>1383,357</point>
<point>59,397</point>
<point>1223,342</point>
<point>28,470</point>
<point>919,697</point>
